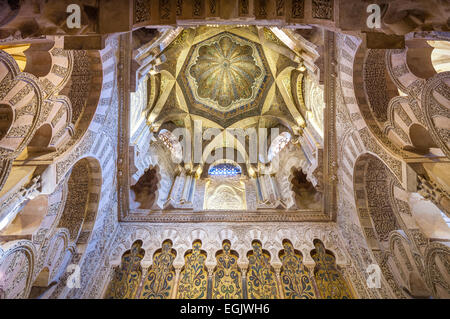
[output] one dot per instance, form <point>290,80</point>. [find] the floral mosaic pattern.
<point>127,278</point>
<point>329,280</point>
<point>194,276</point>
<point>295,279</point>
<point>227,278</point>
<point>160,278</point>
<point>261,278</point>
<point>225,72</point>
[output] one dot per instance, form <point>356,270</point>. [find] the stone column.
<point>210,270</point>
<point>186,188</point>
<point>141,284</point>
<point>264,192</point>
<point>258,189</point>
<point>192,189</point>
<point>177,279</point>
<point>244,268</point>
<point>313,282</point>
<point>174,188</point>
<point>278,278</point>
<point>275,189</point>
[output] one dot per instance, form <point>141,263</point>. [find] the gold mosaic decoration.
<point>224,77</point>
<point>160,278</point>
<point>194,276</point>
<point>226,73</point>
<point>227,278</point>
<point>261,278</point>
<point>329,279</point>
<point>127,277</point>
<point>295,280</point>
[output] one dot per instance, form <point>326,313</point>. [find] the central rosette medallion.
<point>225,77</point>
<point>226,73</point>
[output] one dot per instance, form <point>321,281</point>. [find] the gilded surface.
<point>126,279</point>
<point>225,73</point>
<point>329,280</point>
<point>261,278</point>
<point>225,77</point>
<point>160,278</point>
<point>295,280</point>
<point>194,276</point>
<point>227,278</point>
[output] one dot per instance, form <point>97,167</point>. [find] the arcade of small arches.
<point>324,149</point>
<point>194,280</point>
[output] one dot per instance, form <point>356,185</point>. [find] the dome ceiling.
<point>225,77</point>
<point>225,73</point>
